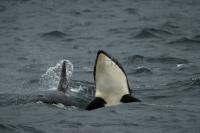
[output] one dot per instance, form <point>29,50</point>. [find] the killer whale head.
<point>111,83</point>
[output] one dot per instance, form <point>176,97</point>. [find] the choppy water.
<point>157,42</point>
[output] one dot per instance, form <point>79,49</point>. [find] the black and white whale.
<point>111,83</point>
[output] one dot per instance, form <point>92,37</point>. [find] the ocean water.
<point>157,42</point>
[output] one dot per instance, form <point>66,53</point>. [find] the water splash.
<point>80,88</point>
<point>50,80</point>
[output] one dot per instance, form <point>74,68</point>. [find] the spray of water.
<point>50,80</point>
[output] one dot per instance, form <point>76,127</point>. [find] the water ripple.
<point>7,127</point>
<point>130,10</point>
<point>141,70</point>
<point>29,129</point>
<point>151,33</point>
<point>53,35</point>
<point>186,40</point>
<point>138,59</point>
<point>2,8</point>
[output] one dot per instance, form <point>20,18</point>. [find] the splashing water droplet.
<point>80,88</point>
<point>50,80</point>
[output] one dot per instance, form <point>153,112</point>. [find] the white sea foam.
<point>80,88</point>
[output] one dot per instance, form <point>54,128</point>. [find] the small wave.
<point>145,33</point>
<point>197,37</point>
<point>187,67</point>
<point>69,40</point>
<point>151,33</point>
<point>168,59</point>
<point>186,40</point>
<point>30,68</point>
<point>25,128</point>
<point>7,127</point>
<point>11,99</point>
<point>114,124</point>
<point>170,25</point>
<point>130,10</point>
<point>53,34</point>
<point>186,43</point>
<point>157,97</point>
<point>22,58</point>
<point>87,10</point>
<point>75,13</point>
<point>190,85</point>
<point>136,59</point>
<point>158,105</point>
<point>180,66</point>
<point>139,59</point>
<point>121,30</point>
<point>2,8</point>
<point>88,38</point>
<point>140,70</point>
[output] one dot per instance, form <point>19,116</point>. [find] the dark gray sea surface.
<point>157,42</point>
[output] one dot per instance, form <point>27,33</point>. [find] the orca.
<point>55,96</point>
<point>112,87</point>
<point>111,82</point>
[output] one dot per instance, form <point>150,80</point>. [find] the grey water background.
<point>157,42</point>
